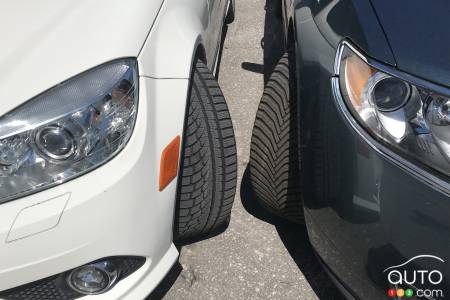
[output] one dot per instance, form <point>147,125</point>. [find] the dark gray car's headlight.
<point>413,121</point>
<point>68,130</point>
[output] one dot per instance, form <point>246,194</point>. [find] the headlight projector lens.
<point>55,142</point>
<point>390,93</point>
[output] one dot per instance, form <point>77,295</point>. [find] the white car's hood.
<point>48,41</point>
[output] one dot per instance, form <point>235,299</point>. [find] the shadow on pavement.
<point>167,283</point>
<point>295,239</point>
<point>252,67</point>
<point>272,42</point>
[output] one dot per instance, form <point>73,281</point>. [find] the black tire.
<point>208,168</point>
<point>231,13</point>
<point>274,154</point>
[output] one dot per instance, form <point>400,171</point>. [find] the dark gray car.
<point>352,137</point>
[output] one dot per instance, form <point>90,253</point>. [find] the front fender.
<point>334,20</point>
<point>171,45</point>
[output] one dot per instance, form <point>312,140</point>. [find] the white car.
<point>115,140</point>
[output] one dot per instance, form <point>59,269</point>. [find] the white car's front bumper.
<point>115,210</point>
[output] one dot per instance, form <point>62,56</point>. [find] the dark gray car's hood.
<point>419,34</point>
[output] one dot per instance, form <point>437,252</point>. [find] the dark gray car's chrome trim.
<point>419,173</point>
<point>445,91</point>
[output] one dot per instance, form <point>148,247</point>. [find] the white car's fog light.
<point>89,279</point>
<point>94,278</point>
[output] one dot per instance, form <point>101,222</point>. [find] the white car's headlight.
<point>68,130</point>
<point>412,121</point>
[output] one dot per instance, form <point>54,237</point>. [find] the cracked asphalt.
<point>258,256</point>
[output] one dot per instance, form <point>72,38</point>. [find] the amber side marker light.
<point>169,163</point>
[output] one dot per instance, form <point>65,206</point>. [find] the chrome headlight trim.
<point>425,175</point>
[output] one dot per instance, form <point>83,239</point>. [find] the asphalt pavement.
<point>258,256</point>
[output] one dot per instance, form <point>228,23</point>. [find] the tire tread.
<point>274,154</point>
<point>208,172</point>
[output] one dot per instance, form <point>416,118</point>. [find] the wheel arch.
<point>200,54</point>
<point>175,41</point>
